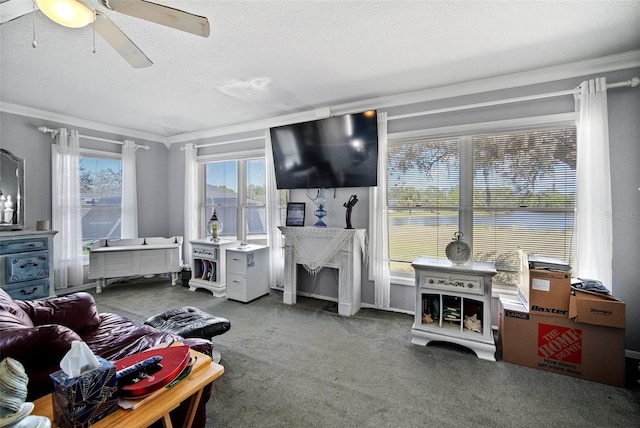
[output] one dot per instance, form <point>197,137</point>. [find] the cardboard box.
<point>595,308</point>
<point>545,292</point>
<point>561,345</point>
<point>81,401</point>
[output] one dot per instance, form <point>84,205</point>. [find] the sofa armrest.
<point>37,346</point>
<point>39,349</point>
<point>77,311</point>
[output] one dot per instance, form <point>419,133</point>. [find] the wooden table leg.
<point>166,421</point>
<point>193,407</point>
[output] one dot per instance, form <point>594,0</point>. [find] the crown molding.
<point>81,123</point>
<point>606,64</point>
<point>623,61</point>
<point>258,125</point>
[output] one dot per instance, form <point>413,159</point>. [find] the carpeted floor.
<point>306,366</point>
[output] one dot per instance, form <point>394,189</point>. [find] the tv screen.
<point>340,151</point>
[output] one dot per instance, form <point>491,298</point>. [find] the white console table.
<point>318,247</point>
<point>140,256</point>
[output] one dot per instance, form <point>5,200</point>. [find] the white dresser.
<point>247,272</point>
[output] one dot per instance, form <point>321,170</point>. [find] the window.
<point>237,191</point>
<point>101,198</point>
<point>505,191</point>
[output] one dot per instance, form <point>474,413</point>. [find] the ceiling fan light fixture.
<point>69,13</point>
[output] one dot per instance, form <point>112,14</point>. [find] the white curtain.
<point>378,235</point>
<point>593,212</point>
<point>274,237</point>
<point>66,210</point>
<point>191,203</point>
<point>129,191</point>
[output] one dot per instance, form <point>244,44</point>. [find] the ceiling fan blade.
<point>163,15</point>
<point>120,42</point>
<point>10,10</point>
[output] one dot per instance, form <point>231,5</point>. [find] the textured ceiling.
<point>269,58</point>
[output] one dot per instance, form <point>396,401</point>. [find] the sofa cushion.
<point>11,314</point>
<point>77,311</point>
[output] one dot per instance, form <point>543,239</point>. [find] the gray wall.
<point>624,140</point>
<point>161,181</point>
<point>624,129</point>
<point>19,135</point>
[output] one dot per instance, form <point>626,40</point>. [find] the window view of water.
<point>536,221</point>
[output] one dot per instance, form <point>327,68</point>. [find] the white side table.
<point>446,294</point>
<point>208,260</point>
<point>247,272</point>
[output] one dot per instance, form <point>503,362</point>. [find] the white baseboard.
<point>400,311</point>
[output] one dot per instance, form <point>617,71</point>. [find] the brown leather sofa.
<point>39,333</point>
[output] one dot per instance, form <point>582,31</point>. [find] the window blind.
<point>522,197</point>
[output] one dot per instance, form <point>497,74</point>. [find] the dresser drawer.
<point>237,262</point>
<point>236,284</point>
<point>23,245</point>
<point>29,290</point>
<point>27,266</point>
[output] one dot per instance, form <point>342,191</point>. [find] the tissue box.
<point>81,401</point>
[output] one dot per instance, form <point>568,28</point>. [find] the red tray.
<point>174,360</point>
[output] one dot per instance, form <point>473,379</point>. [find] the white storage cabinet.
<point>208,265</point>
<point>247,272</point>
<point>445,295</point>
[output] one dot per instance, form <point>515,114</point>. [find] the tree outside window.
<point>101,199</point>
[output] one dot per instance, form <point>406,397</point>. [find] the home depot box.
<point>595,308</point>
<point>561,345</point>
<point>545,292</point>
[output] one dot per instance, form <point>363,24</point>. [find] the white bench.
<point>141,256</point>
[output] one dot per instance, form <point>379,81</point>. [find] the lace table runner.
<point>315,246</point>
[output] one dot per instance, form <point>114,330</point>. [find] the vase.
<point>320,212</point>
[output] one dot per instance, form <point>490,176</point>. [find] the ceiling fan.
<point>79,13</point>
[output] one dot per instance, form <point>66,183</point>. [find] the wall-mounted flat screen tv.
<point>340,151</point>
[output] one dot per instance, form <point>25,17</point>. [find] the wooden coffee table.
<point>157,405</point>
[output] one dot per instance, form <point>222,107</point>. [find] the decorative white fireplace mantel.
<point>318,247</point>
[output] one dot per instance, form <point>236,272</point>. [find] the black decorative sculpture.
<point>349,206</point>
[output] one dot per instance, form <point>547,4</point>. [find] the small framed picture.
<point>295,213</point>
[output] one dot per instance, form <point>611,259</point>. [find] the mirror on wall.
<point>11,191</point>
